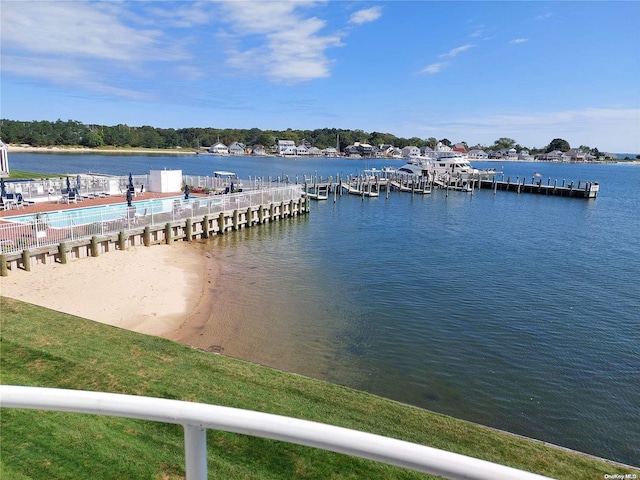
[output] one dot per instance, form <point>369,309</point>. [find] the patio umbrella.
<point>128,198</point>
<point>68,185</point>
<point>130,182</point>
<point>186,192</point>
<point>3,192</point>
<point>78,183</point>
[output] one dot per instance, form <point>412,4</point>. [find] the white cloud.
<point>477,32</point>
<point>433,68</point>
<point>544,17</point>
<point>66,73</point>
<point>76,29</point>
<point>455,51</point>
<point>288,46</point>
<point>516,41</point>
<point>366,15</point>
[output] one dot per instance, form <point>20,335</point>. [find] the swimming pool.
<point>104,213</point>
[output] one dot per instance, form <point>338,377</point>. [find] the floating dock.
<point>366,186</point>
<point>579,190</point>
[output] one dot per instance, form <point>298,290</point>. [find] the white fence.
<point>48,229</point>
<point>196,418</point>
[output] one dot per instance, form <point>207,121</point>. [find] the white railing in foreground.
<point>196,418</point>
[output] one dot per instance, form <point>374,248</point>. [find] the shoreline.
<point>86,150</point>
<point>152,290</point>
<point>156,151</point>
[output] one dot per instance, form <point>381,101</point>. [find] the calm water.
<point>521,312</point>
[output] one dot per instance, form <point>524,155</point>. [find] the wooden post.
<point>62,252</point>
<point>26,260</point>
<point>261,213</point>
<point>122,241</point>
<point>188,227</point>
<point>94,246</point>
<point>168,234</point>
<point>221,222</point>
<point>4,271</point>
<point>147,236</point>
<point>205,226</point>
<point>249,219</point>
<point>272,212</point>
<point>236,219</point>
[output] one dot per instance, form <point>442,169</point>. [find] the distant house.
<point>577,155</point>
<point>258,150</point>
<point>524,156</point>
<point>478,154</point>
<point>352,151</point>
<point>511,154</point>
<point>219,148</point>
<point>365,149</point>
<point>237,148</point>
<point>302,150</point>
<point>286,147</point>
<point>555,156</point>
<point>330,152</point>
<point>459,147</point>
<point>386,150</point>
<point>410,151</point>
<point>427,151</point>
<point>315,152</point>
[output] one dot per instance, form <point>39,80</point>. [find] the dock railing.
<point>196,418</point>
<point>49,229</point>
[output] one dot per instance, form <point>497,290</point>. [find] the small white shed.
<point>165,181</point>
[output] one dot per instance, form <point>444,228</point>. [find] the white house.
<point>219,148</point>
<point>237,148</point>
<point>302,149</point>
<point>524,156</point>
<point>410,151</point>
<point>286,147</point>
<point>258,150</point>
<point>330,152</point>
<point>478,154</point>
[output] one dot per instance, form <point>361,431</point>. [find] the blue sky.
<point>466,71</point>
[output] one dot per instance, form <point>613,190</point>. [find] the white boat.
<point>448,167</point>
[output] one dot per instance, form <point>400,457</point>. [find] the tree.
<point>92,139</point>
<point>431,142</point>
<point>446,141</point>
<point>503,142</point>
<point>558,144</point>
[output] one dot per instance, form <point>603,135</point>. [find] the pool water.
<point>101,213</point>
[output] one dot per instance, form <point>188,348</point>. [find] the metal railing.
<point>48,229</point>
<point>196,418</point>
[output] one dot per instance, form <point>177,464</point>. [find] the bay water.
<point>517,311</point>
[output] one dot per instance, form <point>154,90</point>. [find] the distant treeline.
<point>46,133</point>
<point>73,133</point>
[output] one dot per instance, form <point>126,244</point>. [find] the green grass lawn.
<point>41,347</point>
<point>24,175</point>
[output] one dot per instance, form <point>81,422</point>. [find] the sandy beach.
<point>12,148</point>
<point>152,290</point>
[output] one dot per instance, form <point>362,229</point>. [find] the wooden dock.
<point>365,186</point>
<point>579,190</point>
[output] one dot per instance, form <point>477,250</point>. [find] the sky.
<point>466,71</point>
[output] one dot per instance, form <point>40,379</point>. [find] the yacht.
<point>448,166</point>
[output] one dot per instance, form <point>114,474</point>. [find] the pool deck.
<point>53,205</point>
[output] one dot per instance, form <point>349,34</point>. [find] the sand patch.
<point>150,290</point>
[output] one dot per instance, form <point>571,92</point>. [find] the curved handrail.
<point>197,417</point>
